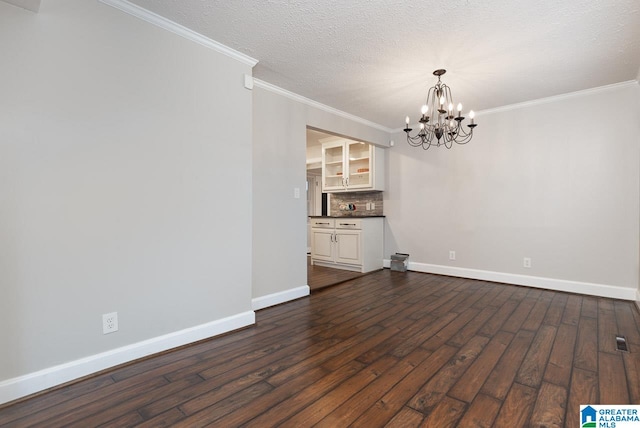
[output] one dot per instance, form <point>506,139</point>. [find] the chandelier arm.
<point>428,136</point>
<point>465,140</point>
<point>450,139</point>
<point>418,141</point>
<point>466,133</point>
<point>414,141</point>
<point>430,139</point>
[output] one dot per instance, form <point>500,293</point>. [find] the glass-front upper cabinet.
<point>359,158</point>
<point>349,166</point>
<point>333,166</point>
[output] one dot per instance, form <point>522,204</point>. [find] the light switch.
<point>296,192</point>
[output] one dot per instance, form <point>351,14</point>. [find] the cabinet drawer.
<point>323,223</point>
<point>348,223</point>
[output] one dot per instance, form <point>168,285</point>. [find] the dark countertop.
<point>345,216</point>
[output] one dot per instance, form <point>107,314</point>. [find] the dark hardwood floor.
<point>386,349</point>
<point>319,276</point>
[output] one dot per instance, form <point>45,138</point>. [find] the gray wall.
<point>556,181</point>
<point>279,165</point>
<point>122,146</point>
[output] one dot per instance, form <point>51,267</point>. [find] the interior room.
<point>174,174</point>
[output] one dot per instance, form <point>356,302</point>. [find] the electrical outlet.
<point>109,323</point>
<point>452,255</point>
<point>373,205</point>
<point>526,262</point>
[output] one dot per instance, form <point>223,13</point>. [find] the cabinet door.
<point>348,247</point>
<point>322,244</point>
<point>333,166</point>
<point>359,160</point>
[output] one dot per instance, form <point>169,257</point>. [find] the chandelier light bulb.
<point>441,101</point>
<point>459,108</point>
<point>421,126</point>
<point>407,120</point>
<point>471,116</point>
<point>425,109</point>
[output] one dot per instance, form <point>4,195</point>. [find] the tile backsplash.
<point>340,202</point>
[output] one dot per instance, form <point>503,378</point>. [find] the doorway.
<point>319,276</point>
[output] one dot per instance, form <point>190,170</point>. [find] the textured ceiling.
<point>374,59</point>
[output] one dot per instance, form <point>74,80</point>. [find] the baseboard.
<point>280,297</point>
<point>601,290</point>
<point>19,387</point>
<point>638,299</point>
<point>354,268</point>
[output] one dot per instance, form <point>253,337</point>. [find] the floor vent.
<point>621,343</point>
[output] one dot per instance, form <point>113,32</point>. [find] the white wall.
<point>314,152</point>
<point>555,181</point>
<point>279,166</point>
<point>125,185</point>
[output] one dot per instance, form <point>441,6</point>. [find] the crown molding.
<point>276,89</point>
<point>178,29</point>
<point>31,5</point>
<point>555,98</point>
<point>547,100</point>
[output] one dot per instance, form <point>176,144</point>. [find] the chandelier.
<point>438,125</point>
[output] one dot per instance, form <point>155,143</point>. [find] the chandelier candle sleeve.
<point>439,127</point>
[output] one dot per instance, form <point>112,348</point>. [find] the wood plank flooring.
<point>319,276</point>
<point>385,349</point>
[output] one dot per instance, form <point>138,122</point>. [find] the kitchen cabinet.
<point>351,166</point>
<point>347,243</point>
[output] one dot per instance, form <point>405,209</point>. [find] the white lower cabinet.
<point>347,243</point>
<point>322,244</point>
<point>347,246</point>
